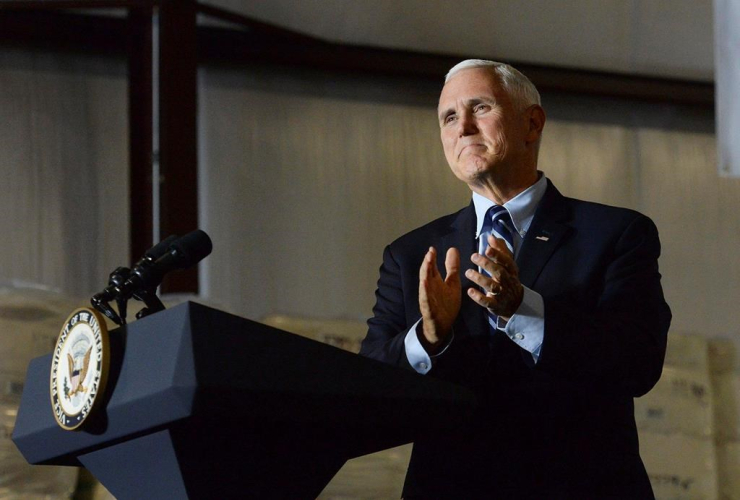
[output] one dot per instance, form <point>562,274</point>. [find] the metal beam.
<point>57,31</point>
<point>178,126</point>
<point>141,112</point>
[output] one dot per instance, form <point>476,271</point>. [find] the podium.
<point>202,404</point>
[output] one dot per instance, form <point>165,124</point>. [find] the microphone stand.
<point>118,277</point>
<point>151,301</point>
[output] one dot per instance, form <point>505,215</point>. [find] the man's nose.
<point>467,125</point>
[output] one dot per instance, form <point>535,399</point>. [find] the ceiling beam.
<point>53,30</point>
<point>257,42</point>
<point>74,4</point>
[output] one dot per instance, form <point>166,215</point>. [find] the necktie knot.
<point>498,222</point>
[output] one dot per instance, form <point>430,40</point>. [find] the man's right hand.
<point>439,300</point>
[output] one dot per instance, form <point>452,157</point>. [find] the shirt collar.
<point>521,207</point>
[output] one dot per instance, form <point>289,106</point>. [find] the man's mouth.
<point>471,148</point>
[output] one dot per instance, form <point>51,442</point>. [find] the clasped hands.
<point>440,299</point>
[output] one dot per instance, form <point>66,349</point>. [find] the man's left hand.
<point>502,292</point>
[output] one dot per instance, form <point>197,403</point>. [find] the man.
<point>551,310</point>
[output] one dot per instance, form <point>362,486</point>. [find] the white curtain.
<point>63,168</point>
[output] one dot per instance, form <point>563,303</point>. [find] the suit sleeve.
<point>388,326</point>
<point>620,345</point>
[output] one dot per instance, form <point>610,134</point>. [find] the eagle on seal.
<point>78,371</point>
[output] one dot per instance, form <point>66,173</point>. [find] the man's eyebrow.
<point>478,100</point>
<point>468,103</point>
<point>447,112</point>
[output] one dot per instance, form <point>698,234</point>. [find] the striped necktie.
<point>497,222</point>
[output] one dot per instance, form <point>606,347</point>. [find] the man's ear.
<point>536,122</point>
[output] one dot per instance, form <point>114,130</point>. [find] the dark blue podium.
<point>202,404</point>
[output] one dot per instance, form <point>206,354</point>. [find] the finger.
<point>493,252</point>
<point>424,283</point>
<point>500,254</point>
<point>483,281</point>
<point>424,278</point>
<point>498,244</point>
<point>432,258</point>
<point>491,267</point>
<point>452,266</point>
<point>428,265</point>
<point>482,299</point>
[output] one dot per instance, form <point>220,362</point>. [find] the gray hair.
<point>519,87</point>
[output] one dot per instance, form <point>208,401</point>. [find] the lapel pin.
<point>543,238</point>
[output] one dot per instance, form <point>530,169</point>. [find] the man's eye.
<point>481,108</point>
<point>449,119</point>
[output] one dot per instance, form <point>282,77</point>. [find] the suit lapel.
<point>545,234</point>
<point>462,237</point>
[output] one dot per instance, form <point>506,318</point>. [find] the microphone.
<point>119,276</point>
<point>159,249</point>
<point>146,275</point>
<point>170,254</point>
<point>182,253</point>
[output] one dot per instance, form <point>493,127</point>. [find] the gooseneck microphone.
<point>142,280</point>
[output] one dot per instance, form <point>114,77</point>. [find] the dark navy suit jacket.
<point>565,427</point>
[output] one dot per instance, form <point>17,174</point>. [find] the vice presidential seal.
<point>79,368</point>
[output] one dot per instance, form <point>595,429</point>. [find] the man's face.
<point>483,134</point>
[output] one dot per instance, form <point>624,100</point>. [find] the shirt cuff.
<point>527,326</point>
<point>418,357</point>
